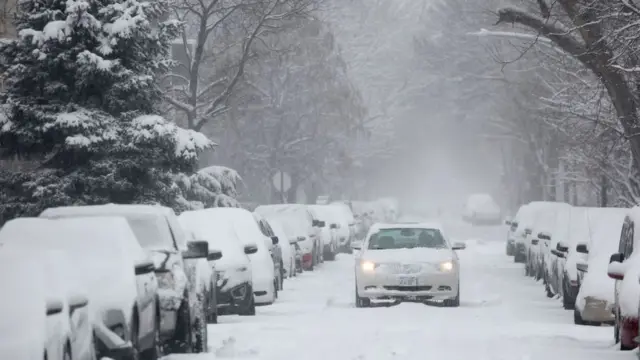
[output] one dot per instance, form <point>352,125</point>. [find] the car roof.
<point>107,210</point>
<point>407,225</point>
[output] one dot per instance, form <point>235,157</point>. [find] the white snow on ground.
<point>503,316</point>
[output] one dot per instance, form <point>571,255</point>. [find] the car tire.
<point>567,304</point>
<point>275,289</point>
<point>199,330</point>
<point>577,318</point>
<point>155,352</point>
<point>453,302</point>
<point>281,276</point>
<point>360,301</point>
<point>250,309</point>
<point>67,352</point>
<point>181,342</point>
<point>329,256</point>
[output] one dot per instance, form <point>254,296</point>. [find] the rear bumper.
<point>596,310</point>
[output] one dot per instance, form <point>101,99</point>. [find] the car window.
<point>405,238</point>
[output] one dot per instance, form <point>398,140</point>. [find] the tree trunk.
<point>604,189</point>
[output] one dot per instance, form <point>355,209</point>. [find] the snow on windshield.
<point>387,239</point>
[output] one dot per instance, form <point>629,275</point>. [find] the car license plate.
<point>408,281</point>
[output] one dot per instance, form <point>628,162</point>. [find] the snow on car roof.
<point>107,209</point>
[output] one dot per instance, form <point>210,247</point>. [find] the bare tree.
<point>218,41</point>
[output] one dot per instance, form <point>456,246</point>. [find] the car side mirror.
<point>214,255</point>
<point>544,235</point>
<point>144,267</point>
<point>458,246</point>
<point>54,307</point>
<point>582,249</point>
<point>302,238</point>
<point>196,250</point>
<point>334,226</point>
<point>293,241</point>
<point>356,245</point>
<point>77,302</point>
<point>275,240</point>
<point>250,249</point>
<point>562,247</point>
<point>534,241</point>
<point>617,257</point>
<point>508,222</point>
<point>527,231</point>
<point>616,270</point>
<point>322,224</point>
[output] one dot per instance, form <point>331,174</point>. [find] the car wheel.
<point>577,318</point>
<point>201,335</point>
<point>250,309</point>
<point>567,302</point>
<point>134,338</point>
<point>281,276</point>
<point>454,302</point>
<point>67,352</point>
<point>360,301</point>
<point>181,342</point>
<point>274,289</point>
<point>155,352</point>
<point>616,328</point>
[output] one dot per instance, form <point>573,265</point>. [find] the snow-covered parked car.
<point>233,268</point>
<point>567,256</point>
<point>159,233</point>
<point>254,242</point>
<point>521,234</point>
<point>307,228</point>
<point>513,224</point>
<point>70,331</point>
<point>273,244</point>
<point>329,232</point>
<point>27,311</point>
<point>624,268</point>
<point>407,262</point>
<point>482,209</point>
<point>544,224</point>
<point>595,301</point>
<point>347,229</point>
<point>287,246</point>
<point>112,269</point>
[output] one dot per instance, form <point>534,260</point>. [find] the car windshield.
<point>407,238</point>
<point>152,232</point>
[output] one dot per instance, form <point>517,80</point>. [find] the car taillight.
<point>306,257</point>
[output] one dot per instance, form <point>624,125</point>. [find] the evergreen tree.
<point>80,95</point>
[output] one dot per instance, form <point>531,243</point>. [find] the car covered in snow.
<point>482,209</point>
<point>566,276</point>
<point>407,262</point>
<point>347,230</point>
<point>307,228</point>
<point>275,248</point>
<point>159,233</point>
<point>544,223</point>
<point>624,268</point>
<point>328,233</point>
<point>233,268</point>
<point>263,277</point>
<point>595,300</point>
<point>28,311</point>
<point>287,246</point>
<point>111,268</point>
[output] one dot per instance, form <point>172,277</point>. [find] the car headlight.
<point>368,266</point>
<point>446,266</point>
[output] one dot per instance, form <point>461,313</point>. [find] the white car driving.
<point>407,262</point>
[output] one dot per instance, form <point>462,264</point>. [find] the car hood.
<point>416,255</point>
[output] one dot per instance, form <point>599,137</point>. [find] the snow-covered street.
<point>502,316</point>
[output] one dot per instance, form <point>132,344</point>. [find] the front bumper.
<point>596,310</point>
<point>234,299</point>
<point>427,286</point>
